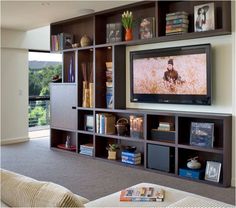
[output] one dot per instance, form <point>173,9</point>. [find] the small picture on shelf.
<point>204,17</point>
<point>202,134</point>
<point>67,40</point>
<point>212,172</point>
<point>89,122</point>
<point>113,32</point>
<point>147,28</point>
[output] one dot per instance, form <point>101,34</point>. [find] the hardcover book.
<point>147,28</point>
<point>202,134</point>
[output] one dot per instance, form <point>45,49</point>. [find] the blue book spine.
<point>102,124</point>
<point>132,159</point>
<point>131,154</point>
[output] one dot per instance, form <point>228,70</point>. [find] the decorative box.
<point>162,135</point>
<point>189,173</point>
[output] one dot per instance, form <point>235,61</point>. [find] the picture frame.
<point>204,17</point>
<point>202,134</point>
<point>88,123</point>
<point>212,172</point>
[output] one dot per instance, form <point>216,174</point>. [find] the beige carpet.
<point>92,178</point>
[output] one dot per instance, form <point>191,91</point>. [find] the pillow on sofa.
<point>22,191</point>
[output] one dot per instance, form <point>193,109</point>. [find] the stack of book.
<point>105,123</point>
<point>61,41</point>
<point>177,23</point>
<point>165,126</point>
<point>133,158</point>
<point>87,149</point>
<point>109,94</point>
<point>142,194</point>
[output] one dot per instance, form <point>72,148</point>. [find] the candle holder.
<point>136,127</point>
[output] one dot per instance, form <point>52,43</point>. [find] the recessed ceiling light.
<point>86,11</point>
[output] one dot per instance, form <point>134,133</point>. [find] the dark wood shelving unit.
<point>68,113</point>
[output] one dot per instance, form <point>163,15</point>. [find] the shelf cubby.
<point>160,136</point>
<point>76,26</point>
<point>203,157</point>
<point>84,138</point>
<point>82,120</point>
<point>143,10</point>
<point>59,137</point>
<point>85,71</point>
<point>69,72</point>
<point>102,56</point>
<point>185,130</point>
<point>102,142</point>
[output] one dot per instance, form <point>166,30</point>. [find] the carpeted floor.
<point>89,177</point>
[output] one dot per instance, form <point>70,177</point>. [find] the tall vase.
<point>85,103</point>
<point>90,95</point>
<point>128,34</point>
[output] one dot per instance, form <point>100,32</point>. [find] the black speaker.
<point>160,157</point>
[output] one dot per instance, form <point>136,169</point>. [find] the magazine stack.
<point>133,158</point>
<point>143,194</point>
<point>109,85</point>
<point>86,149</point>
<point>177,23</point>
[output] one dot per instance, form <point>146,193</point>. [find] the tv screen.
<point>180,75</point>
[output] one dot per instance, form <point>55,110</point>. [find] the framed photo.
<point>88,122</point>
<point>212,172</point>
<point>202,134</point>
<point>204,17</point>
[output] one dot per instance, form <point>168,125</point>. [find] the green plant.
<point>113,147</point>
<point>127,20</point>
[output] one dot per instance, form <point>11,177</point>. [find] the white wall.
<point>234,93</point>
<point>14,80</point>
<point>37,39</point>
<point>14,94</point>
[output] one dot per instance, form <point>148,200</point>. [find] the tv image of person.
<point>201,18</point>
<point>171,75</point>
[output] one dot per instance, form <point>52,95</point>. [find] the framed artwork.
<point>202,134</point>
<point>212,172</point>
<point>88,122</point>
<point>204,17</point>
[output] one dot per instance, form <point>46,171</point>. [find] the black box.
<point>162,135</point>
<point>160,157</point>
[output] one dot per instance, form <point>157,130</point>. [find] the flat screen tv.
<point>180,75</point>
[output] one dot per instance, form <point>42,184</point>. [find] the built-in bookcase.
<point>69,115</point>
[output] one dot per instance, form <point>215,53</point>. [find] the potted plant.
<point>127,22</point>
<point>112,151</point>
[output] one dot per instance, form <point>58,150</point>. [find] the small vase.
<point>111,155</point>
<point>128,34</point>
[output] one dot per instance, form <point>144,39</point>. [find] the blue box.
<point>189,173</point>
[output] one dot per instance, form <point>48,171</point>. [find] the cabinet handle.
<point>73,107</point>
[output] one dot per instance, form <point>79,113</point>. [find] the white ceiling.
<point>27,15</point>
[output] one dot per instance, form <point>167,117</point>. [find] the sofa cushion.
<point>18,191</point>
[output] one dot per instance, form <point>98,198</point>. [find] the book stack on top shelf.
<point>177,23</point>
<point>105,123</point>
<point>109,94</point>
<point>133,158</point>
<point>86,149</point>
<point>61,41</point>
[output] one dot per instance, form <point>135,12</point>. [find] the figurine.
<point>193,163</point>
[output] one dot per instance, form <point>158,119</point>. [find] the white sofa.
<point>22,191</point>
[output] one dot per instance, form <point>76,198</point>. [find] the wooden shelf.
<point>85,132</point>
<point>170,144</point>
<point>213,150</point>
<point>127,138</point>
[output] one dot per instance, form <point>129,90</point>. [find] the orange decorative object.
<point>128,34</point>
